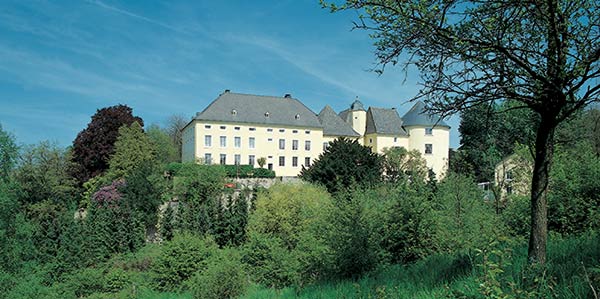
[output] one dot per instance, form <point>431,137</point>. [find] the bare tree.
<point>175,124</point>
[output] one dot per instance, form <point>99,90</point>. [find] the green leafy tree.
<point>16,232</point>
<point>132,150</point>
<point>166,150</point>
<point>343,164</point>
<point>231,220</point>
<point>489,134</point>
<point>543,55</point>
<point>400,164</point>
<point>94,146</point>
<point>44,174</point>
<point>9,153</point>
<point>199,188</point>
<point>261,162</point>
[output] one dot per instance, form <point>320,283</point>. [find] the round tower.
<point>357,117</point>
<point>430,135</point>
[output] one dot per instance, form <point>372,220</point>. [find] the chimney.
<point>288,96</point>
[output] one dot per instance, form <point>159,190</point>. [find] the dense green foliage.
<point>8,153</point>
<point>343,164</point>
<point>150,228</point>
<point>94,146</point>
<point>180,259</point>
<point>488,134</point>
<point>223,278</point>
<point>248,171</point>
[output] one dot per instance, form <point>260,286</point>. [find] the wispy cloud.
<point>133,15</point>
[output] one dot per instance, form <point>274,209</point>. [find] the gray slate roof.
<point>333,125</point>
<point>246,108</point>
<point>357,105</point>
<point>384,121</point>
<point>345,114</point>
<point>417,116</point>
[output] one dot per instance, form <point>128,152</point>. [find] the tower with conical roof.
<point>356,116</point>
<point>430,135</point>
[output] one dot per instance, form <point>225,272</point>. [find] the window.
<point>395,139</point>
<point>281,130</point>
<point>269,130</point>
<point>325,145</point>
<point>307,162</point>
<point>281,161</point>
<point>281,144</point>
<point>207,126</point>
<point>237,142</point>
<point>251,142</point>
<point>428,131</point>
<point>270,139</point>
<point>295,145</point>
<point>237,159</point>
<point>307,145</point>
<point>306,132</point>
<point>428,148</point>
<point>370,140</point>
<point>222,127</point>
<point>252,129</point>
<point>295,131</point>
<point>295,161</point>
<point>223,141</point>
<point>208,140</point>
<point>237,128</point>
<point>223,159</point>
<point>207,159</point>
<point>251,159</point>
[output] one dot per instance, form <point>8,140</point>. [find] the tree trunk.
<point>544,149</point>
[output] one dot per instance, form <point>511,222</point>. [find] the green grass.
<point>448,276</point>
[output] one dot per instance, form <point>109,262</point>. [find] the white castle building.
<point>241,128</point>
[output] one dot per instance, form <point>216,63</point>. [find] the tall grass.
<point>461,276</point>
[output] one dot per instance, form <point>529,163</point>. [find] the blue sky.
<point>62,60</point>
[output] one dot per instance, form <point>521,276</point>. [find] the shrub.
<point>224,277</point>
<point>465,220</point>
<point>269,262</point>
<point>180,258</point>
<point>263,173</point>
<point>287,235</point>
<point>408,223</point>
<point>516,215</point>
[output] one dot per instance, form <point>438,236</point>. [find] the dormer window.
<point>267,114</point>
<point>297,116</point>
<point>233,112</point>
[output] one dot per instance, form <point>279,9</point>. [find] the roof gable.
<point>384,121</point>
<point>333,125</point>
<point>269,110</point>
